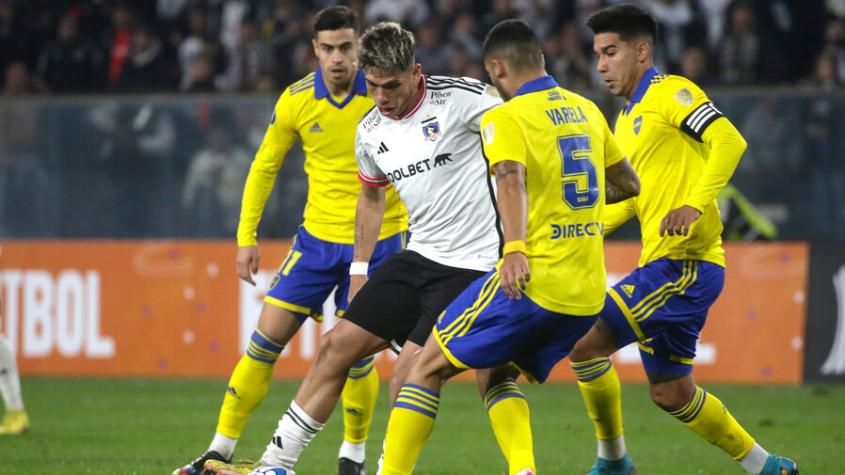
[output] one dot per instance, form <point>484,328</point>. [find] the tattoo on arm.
<point>506,168</point>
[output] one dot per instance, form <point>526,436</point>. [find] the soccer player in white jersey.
<point>423,139</point>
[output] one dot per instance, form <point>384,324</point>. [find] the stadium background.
<point>128,129</point>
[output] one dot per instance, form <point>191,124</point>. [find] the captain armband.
<point>696,123</point>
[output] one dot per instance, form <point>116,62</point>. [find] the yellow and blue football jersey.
<point>664,133</point>
<point>565,144</point>
<point>326,125</point>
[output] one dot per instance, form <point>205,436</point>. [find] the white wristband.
<point>359,268</point>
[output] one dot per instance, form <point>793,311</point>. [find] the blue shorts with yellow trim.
<point>483,328</point>
<point>663,306</point>
<point>314,267</point>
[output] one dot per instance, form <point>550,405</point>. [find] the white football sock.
<point>754,460</point>
<point>223,445</point>
<point>354,452</point>
<point>10,381</point>
<point>613,449</point>
<point>296,430</point>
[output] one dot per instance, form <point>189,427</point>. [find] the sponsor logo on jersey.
<point>418,168</point>
<point>576,230</point>
<point>315,128</point>
<point>638,124</point>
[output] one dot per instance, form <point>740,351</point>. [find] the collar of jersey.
<point>320,90</point>
<point>641,89</point>
<point>534,85</point>
<point>417,105</point>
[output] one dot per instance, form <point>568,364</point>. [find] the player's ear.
<point>314,45</point>
<point>643,50</point>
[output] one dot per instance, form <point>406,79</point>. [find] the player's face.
<point>618,63</point>
<point>393,93</point>
<point>337,52</point>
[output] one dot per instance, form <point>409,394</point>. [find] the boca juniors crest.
<point>638,124</point>
<point>431,130</point>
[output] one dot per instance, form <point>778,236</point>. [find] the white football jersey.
<point>433,157</point>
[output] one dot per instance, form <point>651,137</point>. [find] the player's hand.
<point>355,284</point>
<point>247,263</point>
<point>679,221</point>
<point>514,274</point>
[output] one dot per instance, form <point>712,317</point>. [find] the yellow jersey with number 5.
<point>565,144</point>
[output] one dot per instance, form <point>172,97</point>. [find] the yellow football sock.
<point>410,425</point>
<point>510,419</point>
<point>707,416</point>
<point>248,385</point>
<point>602,394</point>
<point>359,400</point>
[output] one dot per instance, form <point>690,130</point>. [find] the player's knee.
<point>492,377</point>
<point>583,351</point>
<point>668,398</point>
<point>333,354</point>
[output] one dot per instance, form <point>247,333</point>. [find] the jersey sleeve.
<point>612,152</point>
<point>687,107</point>
<point>502,138</point>
<point>278,139</point>
<point>488,99</point>
<point>369,173</point>
<point>617,214</point>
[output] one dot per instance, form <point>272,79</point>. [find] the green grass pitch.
<point>126,426</point>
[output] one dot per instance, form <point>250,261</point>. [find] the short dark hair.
<point>336,18</point>
<point>628,20</point>
<point>515,42</point>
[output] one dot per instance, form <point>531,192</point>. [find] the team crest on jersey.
<point>684,97</point>
<point>638,124</point>
<point>431,130</point>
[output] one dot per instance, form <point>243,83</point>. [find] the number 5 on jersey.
<point>578,173</point>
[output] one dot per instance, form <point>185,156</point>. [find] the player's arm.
<point>278,139</point>
<point>369,215</point>
<point>622,182</point>
<point>704,123</point>
<point>504,145</point>
<point>512,201</point>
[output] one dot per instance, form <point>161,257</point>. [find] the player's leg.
<point>601,392</point>
<point>385,306</point>
<point>15,421</point>
<point>415,409</point>
<point>509,415</point>
<point>362,384</point>
<point>619,324</point>
<point>668,360</point>
<point>301,285</point>
<point>359,402</point>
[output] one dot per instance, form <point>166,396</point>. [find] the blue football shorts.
<point>663,306</point>
<point>483,328</point>
<point>314,267</point>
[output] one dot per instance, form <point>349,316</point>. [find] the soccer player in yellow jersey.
<point>684,151</point>
<point>552,152</point>
<point>323,110</point>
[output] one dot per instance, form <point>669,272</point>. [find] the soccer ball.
<point>272,471</point>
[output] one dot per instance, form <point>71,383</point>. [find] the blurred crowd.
<point>95,46</point>
<point>120,165</point>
